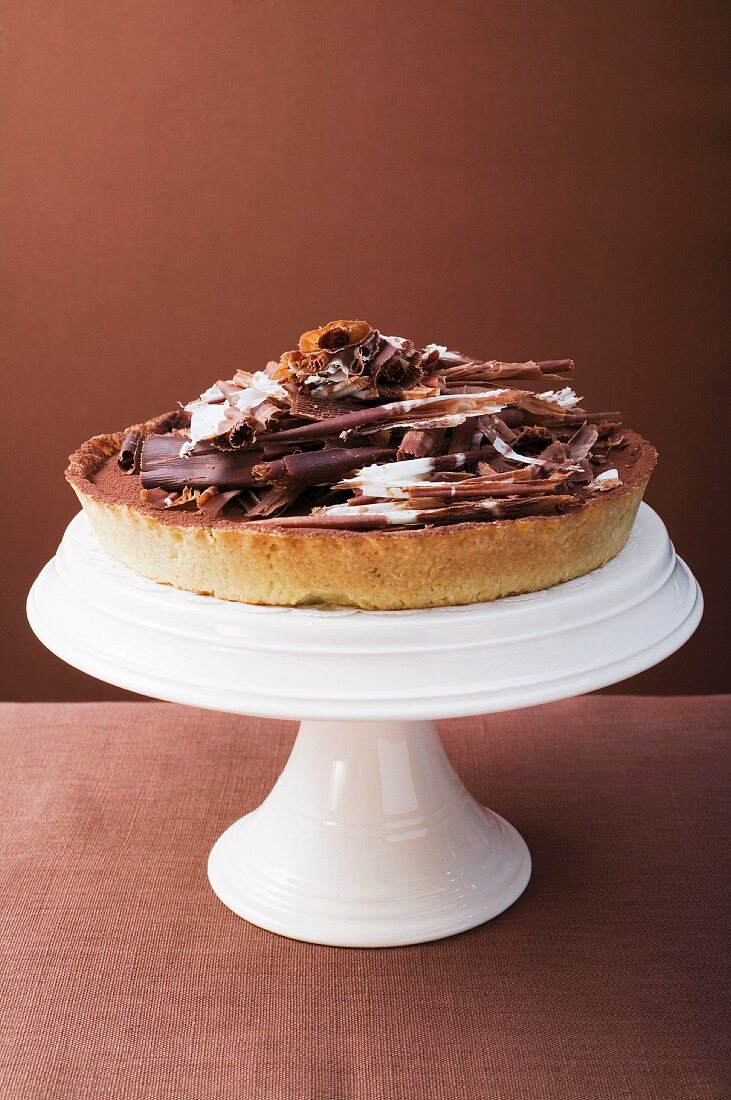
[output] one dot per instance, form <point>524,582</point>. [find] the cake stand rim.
<point>460,703</point>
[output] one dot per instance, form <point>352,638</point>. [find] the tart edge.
<point>383,570</point>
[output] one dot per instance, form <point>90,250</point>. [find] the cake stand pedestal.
<point>368,838</point>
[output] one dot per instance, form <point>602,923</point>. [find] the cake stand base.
<point>369,839</point>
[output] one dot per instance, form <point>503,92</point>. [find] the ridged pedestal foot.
<point>369,839</point>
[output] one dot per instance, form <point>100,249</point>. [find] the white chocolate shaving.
<point>444,353</point>
<point>213,394</point>
<point>565,398</point>
<point>209,420</point>
<point>394,513</point>
<point>393,479</point>
<point>608,480</point>
<point>398,342</point>
<point>507,452</point>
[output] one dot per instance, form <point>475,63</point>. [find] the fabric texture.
<point>123,976</point>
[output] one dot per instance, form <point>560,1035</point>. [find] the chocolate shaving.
<point>335,336</point>
<point>339,522</point>
<point>359,405</point>
<point>188,499</point>
<point>320,408</point>
<point>453,513</point>
<point>317,467</point>
<point>496,509</point>
<point>604,421</point>
<point>242,435</point>
<point>161,465</point>
<point>547,371</point>
<point>154,497</point>
<point>230,389</point>
<point>581,444</point>
<point>345,388</point>
<point>480,487</point>
<point>395,369</point>
<point>464,437</point>
<point>427,412</point>
<point>211,502</point>
<point>385,354</point>
<point>421,442</point>
<point>129,452</point>
<point>494,427</point>
<point>274,500</point>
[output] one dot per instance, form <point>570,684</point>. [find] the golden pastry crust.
<point>373,570</point>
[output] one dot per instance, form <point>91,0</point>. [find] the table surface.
<point>123,976</point>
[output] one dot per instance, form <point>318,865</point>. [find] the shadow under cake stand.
<point>368,838</point>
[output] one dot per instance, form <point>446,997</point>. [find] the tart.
<point>359,470</point>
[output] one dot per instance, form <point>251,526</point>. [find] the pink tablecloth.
<point>123,976</point>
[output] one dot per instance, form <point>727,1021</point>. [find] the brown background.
<point>190,183</point>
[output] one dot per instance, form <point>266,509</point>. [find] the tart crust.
<point>373,570</point>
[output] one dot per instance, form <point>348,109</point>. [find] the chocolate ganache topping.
<point>357,430</point>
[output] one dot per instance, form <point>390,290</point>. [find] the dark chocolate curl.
<point>242,435</point>
<point>161,465</point>
<point>129,452</point>
<point>318,467</point>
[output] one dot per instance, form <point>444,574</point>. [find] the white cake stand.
<point>368,838</point>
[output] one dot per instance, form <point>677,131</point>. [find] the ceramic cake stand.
<point>368,837</point>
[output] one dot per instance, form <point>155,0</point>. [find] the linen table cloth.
<point>123,976</point>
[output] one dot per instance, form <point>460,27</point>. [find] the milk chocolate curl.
<point>211,501</point>
<point>543,372</point>
<point>320,408</point>
<point>421,442</point>
<point>322,519</point>
<point>154,497</point>
<point>397,374</point>
<point>335,336</point>
<point>581,444</point>
<point>276,499</point>
<point>495,509</point>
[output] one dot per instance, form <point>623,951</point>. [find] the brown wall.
<point>190,183</point>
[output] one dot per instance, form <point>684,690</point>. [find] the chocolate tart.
<point>414,549</point>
